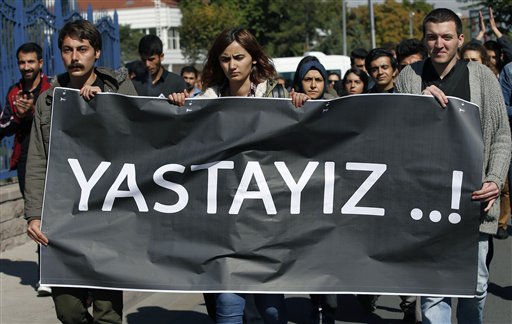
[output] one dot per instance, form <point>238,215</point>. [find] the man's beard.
<point>34,75</point>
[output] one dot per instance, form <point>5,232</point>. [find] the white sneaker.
<point>43,290</point>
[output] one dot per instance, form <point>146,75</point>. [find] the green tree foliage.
<point>290,29</point>
<point>282,28</point>
<point>202,21</point>
<point>392,23</point>
<point>129,43</point>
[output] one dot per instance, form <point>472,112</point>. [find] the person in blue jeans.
<point>442,75</point>
<point>237,66</point>
<point>506,88</point>
<point>230,308</point>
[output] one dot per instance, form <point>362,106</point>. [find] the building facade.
<point>159,17</point>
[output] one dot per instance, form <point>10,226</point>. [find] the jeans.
<point>469,310</point>
<point>230,308</point>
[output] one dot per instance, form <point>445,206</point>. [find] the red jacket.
<point>11,124</point>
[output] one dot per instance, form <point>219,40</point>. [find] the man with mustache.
<point>80,46</point>
<point>160,82</point>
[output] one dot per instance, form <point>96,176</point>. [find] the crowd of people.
<point>440,65</point>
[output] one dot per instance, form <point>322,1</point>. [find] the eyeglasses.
<point>333,81</point>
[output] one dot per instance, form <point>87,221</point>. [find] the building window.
<point>173,38</point>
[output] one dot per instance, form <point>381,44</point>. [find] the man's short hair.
<point>150,45</point>
<point>30,48</point>
<point>409,47</point>
<point>81,29</point>
<point>358,53</point>
<point>442,15</point>
<point>375,54</point>
<point>189,69</point>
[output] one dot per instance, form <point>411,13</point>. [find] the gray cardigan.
<point>485,92</point>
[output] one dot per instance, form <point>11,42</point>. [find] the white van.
<point>286,66</point>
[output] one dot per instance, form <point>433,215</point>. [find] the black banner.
<point>368,193</point>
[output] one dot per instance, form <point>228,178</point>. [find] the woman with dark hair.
<point>237,66</point>
<point>354,82</point>
<point>475,52</point>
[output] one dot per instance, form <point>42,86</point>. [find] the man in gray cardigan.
<point>444,75</point>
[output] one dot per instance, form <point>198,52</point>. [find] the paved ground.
<point>19,304</point>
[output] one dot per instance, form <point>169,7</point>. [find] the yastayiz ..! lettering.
<point>252,171</point>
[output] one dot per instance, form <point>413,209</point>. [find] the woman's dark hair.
<point>475,46</point>
<point>212,72</point>
<point>492,45</point>
<point>340,86</point>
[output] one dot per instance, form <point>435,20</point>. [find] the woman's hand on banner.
<point>298,98</point>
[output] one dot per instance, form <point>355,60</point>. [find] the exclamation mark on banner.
<point>454,217</point>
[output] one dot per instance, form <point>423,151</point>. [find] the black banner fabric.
<point>368,194</point>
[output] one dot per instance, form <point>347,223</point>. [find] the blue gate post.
<point>117,43</point>
<point>18,25</point>
<point>4,70</point>
<point>59,23</point>
<point>19,32</point>
<point>89,13</point>
<point>9,73</point>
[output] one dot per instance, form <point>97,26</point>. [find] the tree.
<point>284,29</point>
<point>392,22</point>
<point>129,43</point>
<point>201,22</point>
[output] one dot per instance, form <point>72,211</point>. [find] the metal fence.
<point>39,21</point>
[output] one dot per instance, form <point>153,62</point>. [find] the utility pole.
<point>344,22</point>
<point>411,21</point>
<point>372,22</point>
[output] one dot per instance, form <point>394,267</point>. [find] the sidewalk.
<point>20,305</point>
